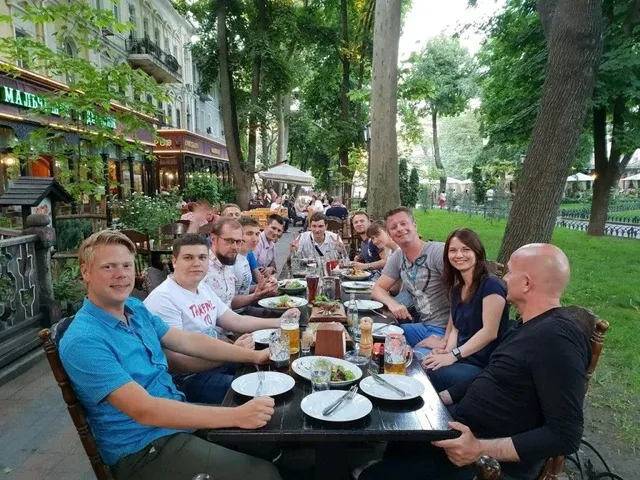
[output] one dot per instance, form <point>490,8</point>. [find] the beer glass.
<point>279,356</point>
<point>312,287</point>
<point>397,354</point>
<point>290,327</point>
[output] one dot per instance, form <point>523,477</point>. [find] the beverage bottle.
<point>354,320</point>
<point>366,337</point>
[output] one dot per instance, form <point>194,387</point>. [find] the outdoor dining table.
<point>421,419</point>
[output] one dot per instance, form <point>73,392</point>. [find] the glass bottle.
<point>354,319</point>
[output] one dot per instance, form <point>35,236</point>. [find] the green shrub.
<point>68,288</point>
<point>71,233</point>
<point>147,214</point>
<point>202,186</point>
<point>227,193</point>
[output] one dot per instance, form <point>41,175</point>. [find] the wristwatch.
<point>456,353</point>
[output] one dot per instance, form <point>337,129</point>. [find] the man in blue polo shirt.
<point>113,354</point>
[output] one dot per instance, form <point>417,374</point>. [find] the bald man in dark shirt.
<point>527,404</point>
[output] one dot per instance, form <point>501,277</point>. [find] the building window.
<point>156,36</point>
<point>167,48</point>
<point>98,4</point>
<point>145,28</point>
<point>116,10</point>
<point>188,120</point>
<point>71,50</point>
<point>132,16</point>
<point>169,115</point>
<point>197,118</point>
<point>178,118</point>
<point>23,62</point>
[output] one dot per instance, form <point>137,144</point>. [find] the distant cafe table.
<point>422,419</point>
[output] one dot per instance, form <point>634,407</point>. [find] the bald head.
<point>538,271</point>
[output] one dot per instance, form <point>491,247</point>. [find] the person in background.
<point>442,200</point>
<point>301,212</point>
<point>337,209</point>
<point>249,280</point>
<point>266,198</point>
<point>266,250</point>
<point>198,216</point>
<point>318,242</point>
<point>230,210</point>
<point>113,354</point>
<point>276,207</point>
<point>479,312</point>
<point>273,194</point>
<point>183,301</point>
<point>369,256</point>
<point>316,204</point>
<point>527,404</point>
<point>226,241</point>
<point>420,266</point>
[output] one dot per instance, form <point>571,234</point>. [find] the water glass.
<point>320,375</point>
<point>307,340</point>
<point>279,355</point>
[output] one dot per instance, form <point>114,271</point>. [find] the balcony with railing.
<point>146,55</point>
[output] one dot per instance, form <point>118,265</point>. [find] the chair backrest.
<point>335,225</point>
<point>143,253</point>
<point>498,269</point>
<point>50,340</point>
<point>186,223</point>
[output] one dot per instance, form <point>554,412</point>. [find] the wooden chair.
<point>335,225</point>
<point>143,254</point>
<point>171,231</point>
<point>596,330</point>
<point>50,340</point>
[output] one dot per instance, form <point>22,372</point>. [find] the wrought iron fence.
<point>620,206</point>
<point>625,231</point>
<point>146,46</point>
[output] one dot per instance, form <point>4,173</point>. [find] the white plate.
<point>411,386</point>
<point>283,284</point>
<point>364,304</point>
<point>359,285</point>
<point>302,366</point>
<point>271,302</point>
<point>274,383</point>
<point>262,336</point>
<point>358,407</point>
<point>383,333</point>
<point>364,275</point>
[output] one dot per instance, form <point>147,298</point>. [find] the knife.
<point>390,386</point>
<point>334,406</point>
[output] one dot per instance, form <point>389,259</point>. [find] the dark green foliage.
<point>202,186</point>
<point>71,233</point>
<point>227,193</point>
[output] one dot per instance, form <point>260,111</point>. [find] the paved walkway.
<point>37,438</point>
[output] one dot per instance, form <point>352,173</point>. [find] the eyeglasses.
<point>231,241</point>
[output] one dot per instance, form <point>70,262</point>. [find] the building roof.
<point>30,191</point>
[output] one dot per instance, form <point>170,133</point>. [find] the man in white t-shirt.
<point>318,242</point>
<point>183,301</point>
<point>226,241</point>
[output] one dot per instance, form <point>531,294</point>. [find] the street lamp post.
<point>105,171</point>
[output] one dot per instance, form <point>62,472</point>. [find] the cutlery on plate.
<point>378,313</point>
<point>260,380</point>
<point>334,406</point>
<point>390,386</point>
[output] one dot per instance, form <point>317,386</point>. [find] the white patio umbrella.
<point>287,174</point>
<point>580,177</point>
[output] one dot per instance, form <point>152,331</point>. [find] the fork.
<point>378,313</point>
<point>345,398</point>
<point>260,378</point>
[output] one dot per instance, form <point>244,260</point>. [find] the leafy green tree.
<point>202,186</point>
<point>439,82</point>
<point>403,181</point>
<point>90,104</point>
<point>414,188</point>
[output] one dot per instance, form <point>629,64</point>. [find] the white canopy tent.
<point>631,182</point>
<point>287,174</point>
<point>580,177</point>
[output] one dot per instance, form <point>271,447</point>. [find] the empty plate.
<point>380,330</point>
<point>262,336</point>
<point>358,407</point>
<point>364,304</point>
<point>358,285</point>
<point>274,383</point>
<point>412,387</point>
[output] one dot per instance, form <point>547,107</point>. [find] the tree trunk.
<point>255,87</point>
<point>574,37</point>
<point>343,152</point>
<point>384,192</point>
<point>283,108</point>
<point>436,150</point>
<point>242,179</point>
<point>264,140</point>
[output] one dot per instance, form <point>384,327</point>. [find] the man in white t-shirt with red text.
<point>183,301</point>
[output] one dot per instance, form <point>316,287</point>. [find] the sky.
<point>428,18</point>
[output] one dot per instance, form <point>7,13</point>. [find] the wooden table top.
<point>421,419</point>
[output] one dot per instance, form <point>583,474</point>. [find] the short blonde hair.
<point>104,237</point>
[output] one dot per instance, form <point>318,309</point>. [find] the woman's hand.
<point>434,361</point>
<point>433,342</point>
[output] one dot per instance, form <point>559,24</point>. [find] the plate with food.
<point>327,307</point>
<point>356,274</point>
<point>292,285</point>
<point>351,409</point>
<point>262,336</point>
<point>364,304</point>
<point>342,372</point>
<point>358,285</point>
<point>284,302</point>
<point>273,383</point>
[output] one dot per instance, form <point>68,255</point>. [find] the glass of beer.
<point>290,327</point>
<point>279,356</point>
<point>397,354</point>
<point>312,287</point>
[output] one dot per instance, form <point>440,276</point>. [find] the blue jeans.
<point>416,332</point>
<point>208,387</point>
<point>446,377</point>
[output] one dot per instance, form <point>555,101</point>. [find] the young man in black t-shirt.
<point>527,404</point>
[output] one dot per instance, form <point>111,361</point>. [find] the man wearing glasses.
<point>419,265</point>
<point>226,242</point>
<point>185,302</point>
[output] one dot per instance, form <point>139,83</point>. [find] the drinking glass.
<point>312,287</point>
<point>307,341</point>
<point>290,327</point>
<point>397,354</point>
<point>320,375</point>
<point>328,288</point>
<point>279,355</point>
